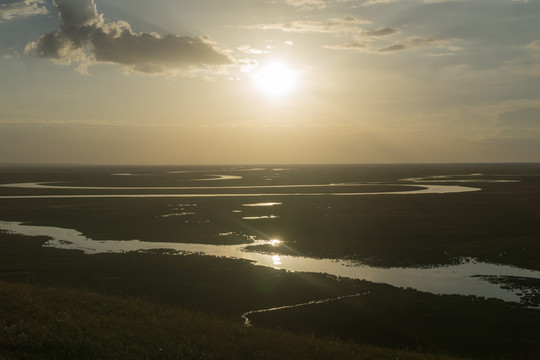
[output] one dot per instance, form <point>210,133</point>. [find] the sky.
<point>269,81</point>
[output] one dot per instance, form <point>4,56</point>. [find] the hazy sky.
<point>269,81</point>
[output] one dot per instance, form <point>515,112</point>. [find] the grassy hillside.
<point>57,323</point>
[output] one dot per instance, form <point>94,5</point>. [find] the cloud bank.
<point>22,8</point>
<point>415,43</point>
<point>312,4</point>
<point>86,37</point>
<point>361,40</point>
<point>364,43</point>
<point>307,4</point>
<point>344,24</point>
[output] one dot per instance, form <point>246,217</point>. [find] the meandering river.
<point>469,277</point>
<point>462,279</point>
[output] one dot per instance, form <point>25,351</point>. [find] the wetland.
<point>441,256</point>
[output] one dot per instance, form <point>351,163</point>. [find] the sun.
<point>276,79</point>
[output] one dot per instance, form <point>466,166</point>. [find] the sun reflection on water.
<point>275,242</point>
<point>262,204</point>
<point>467,278</point>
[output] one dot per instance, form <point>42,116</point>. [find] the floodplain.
<point>431,257</point>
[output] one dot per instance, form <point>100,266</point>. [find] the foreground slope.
<point>59,323</point>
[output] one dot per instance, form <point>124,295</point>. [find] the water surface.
<point>466,278</point>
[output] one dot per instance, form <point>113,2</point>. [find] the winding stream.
<point>470,277</point>
<point>425,189</point>
<point>462,279</point>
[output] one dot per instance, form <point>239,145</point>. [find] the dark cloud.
<point>85,37</point>
<point>22,8</point>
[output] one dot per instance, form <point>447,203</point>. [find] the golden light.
<point>275,242</point>
<point>276,79</point>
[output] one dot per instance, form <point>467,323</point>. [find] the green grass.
<point>60,323</point>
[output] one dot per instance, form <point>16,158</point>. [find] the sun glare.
<point>276,260</point>
<point>276,79</point>
<point>275,242</point>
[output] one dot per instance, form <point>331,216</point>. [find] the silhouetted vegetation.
<point>52,323</point>
<point>498,224</point>
<point>387,316</point>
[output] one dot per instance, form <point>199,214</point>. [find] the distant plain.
<point>496,223</point>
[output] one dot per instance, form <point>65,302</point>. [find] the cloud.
<point>252,51</point>
<point>345,24</point>
<point>312,4</point>
<point>86,37</point>
<point>363,40</point>
<point>534,45</point>
<point>380,32</point>
<point>307,4</point>
<point>372,2</point>
<point>349,46</point>
<point>22,8</point>
<point>365,43</point>
<point>414,43</point>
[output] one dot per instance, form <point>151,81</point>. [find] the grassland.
<point>55,323</point>
<point>498,224</point>
<point>224,289</point>
<point>49,295</point>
